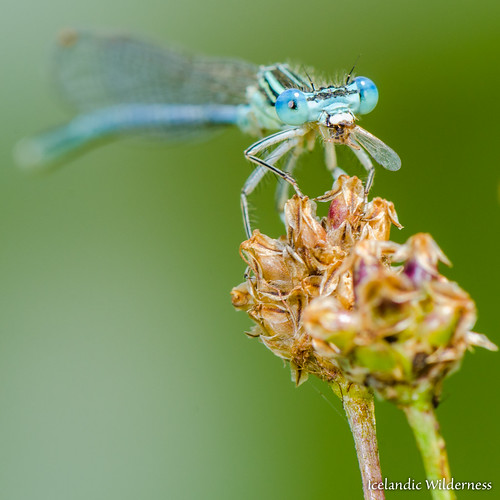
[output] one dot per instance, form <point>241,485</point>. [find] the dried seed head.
<point>338,300</point>
<point>288,273</point>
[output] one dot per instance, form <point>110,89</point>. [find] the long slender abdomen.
<point>87,129</point>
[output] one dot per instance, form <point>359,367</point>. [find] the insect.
<point>120,85</point>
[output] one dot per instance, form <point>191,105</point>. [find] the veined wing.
<point>95,70</point>
<point>381,152</point>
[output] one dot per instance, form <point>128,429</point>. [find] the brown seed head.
<point>288,273</point>
<point>338,300</point>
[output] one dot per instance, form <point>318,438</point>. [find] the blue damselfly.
<point>120,85</point>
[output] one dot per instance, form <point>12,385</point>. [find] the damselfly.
<point>121,85</point>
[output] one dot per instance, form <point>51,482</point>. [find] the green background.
<point>124,370</point>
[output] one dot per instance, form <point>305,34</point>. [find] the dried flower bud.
<point>241,298</point>
<point>422,256</point>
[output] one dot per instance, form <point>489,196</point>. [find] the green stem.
<point>430,442</point>
<point>360,410</point>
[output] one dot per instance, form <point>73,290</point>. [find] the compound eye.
<point>368,94</point>
<point>292,108</point>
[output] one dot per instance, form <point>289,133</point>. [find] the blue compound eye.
<point>292,108</point>
<point>368,94</point>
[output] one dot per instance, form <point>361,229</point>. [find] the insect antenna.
<point>309,78</point>
<point>348,78</point>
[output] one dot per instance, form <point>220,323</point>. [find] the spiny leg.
<point>368,165</point>
<point>289,139</point>
<point>272,140</point>
<point>257,175</point>
<point>250,184</point>
<point>282,188</point>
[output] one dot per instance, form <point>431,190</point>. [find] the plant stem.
<point>423,421</point>
<point>360,410</point>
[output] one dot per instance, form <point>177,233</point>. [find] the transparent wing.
<point>381,152</point>
<point>95,70</point>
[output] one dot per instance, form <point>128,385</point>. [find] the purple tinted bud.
<point>337,212</point>
<point>361,272</point>
<point>416,272</point>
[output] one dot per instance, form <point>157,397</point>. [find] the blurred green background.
<point>124,371</point>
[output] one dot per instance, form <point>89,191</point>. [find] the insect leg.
<point>367,164</point>
<point>282,188</point>
<point>267,142</point>
<point>331,161</point>
<point>250,184</point>
<point>257,175</point>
